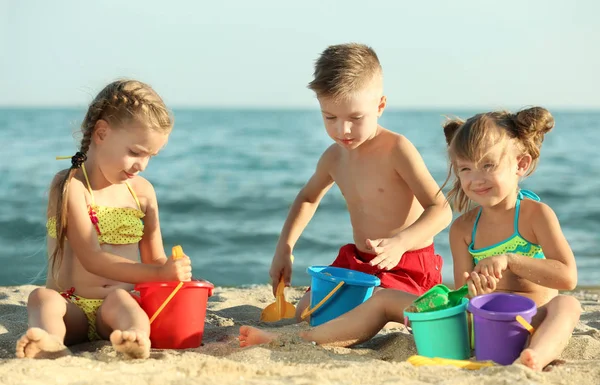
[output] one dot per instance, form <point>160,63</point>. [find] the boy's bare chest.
<point>367,180</point>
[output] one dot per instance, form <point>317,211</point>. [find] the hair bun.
<point>533,122</point>
<point>450,128</point>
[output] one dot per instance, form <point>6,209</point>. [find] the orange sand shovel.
<point>177,253</point>
<point>280,309</point>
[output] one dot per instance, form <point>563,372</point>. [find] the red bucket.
<point>180,325</point>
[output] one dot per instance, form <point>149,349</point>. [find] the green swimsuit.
<point>515,244</point>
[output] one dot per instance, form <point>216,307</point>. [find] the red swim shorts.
<point>418,270</point>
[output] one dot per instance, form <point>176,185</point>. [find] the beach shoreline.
<point>381,360</point>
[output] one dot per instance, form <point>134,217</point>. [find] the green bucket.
<point>442,333</point>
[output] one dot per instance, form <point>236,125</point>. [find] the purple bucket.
<point>498,336</point>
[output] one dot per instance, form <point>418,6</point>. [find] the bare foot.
<point>252,336</point>
<point>37,343</point>
<point>132,343</point>
<point>529,358</point>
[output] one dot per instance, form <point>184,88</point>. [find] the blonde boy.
<point>394,205</point>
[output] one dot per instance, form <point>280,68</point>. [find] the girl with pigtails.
<point>510,241</point>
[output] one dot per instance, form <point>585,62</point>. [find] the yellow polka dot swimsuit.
<point>114,225</point>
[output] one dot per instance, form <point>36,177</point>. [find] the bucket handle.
<point>177,253</point>
<point>166,301</point>
<point>306,312</point>
<point>525,324</point>
<point>471,322</point>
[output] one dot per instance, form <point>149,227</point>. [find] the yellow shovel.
<point>436,361</point>
<point>280,309</point>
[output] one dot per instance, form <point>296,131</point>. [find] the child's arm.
<point>301,212</point>
<point>463,261</point>
<point>461,258</point>
<point>436,216</point>
<point>83,239</point>
<point>558,270</point>
<point>151,246</point>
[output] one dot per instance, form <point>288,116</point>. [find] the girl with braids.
<point>511,242</point>
<point>102,219</point>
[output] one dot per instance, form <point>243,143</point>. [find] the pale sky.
<point>242,53</point>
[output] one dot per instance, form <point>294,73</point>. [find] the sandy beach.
<point>381,360</point>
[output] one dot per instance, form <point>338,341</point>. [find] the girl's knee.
<point>565,304</point>
<point>117,299</point>
<point>117,303</point>
<point>43,296</point>
<point>569,303</point>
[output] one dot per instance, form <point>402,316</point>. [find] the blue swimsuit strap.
<point>522,194</point>
<point>528,194</point>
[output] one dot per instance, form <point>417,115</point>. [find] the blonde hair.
<point>344,69</point>
<point>471,139</point>
<point>120,103</point>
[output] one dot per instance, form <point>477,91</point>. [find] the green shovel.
<point>437,298</point>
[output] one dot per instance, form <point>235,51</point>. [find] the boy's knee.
<point>379,289</point>
<point>394,295</point>
<point>300,306</point>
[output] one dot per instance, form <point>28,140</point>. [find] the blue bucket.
<point>335,291</point>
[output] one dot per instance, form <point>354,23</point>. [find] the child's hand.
<point>281,267</point>
<point>177,269</point>
<point>389,252</point>
<point>479,284</point>
<point>492,266</point>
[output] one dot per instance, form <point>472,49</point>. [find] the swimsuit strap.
<point>527,194</point>
<point>84,174</point>
<point>88,182</point>
<point>522,194</point>
<point>475,226</point>
<point>134,196</point>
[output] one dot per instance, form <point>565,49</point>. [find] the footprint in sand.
<point>37,343</point>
